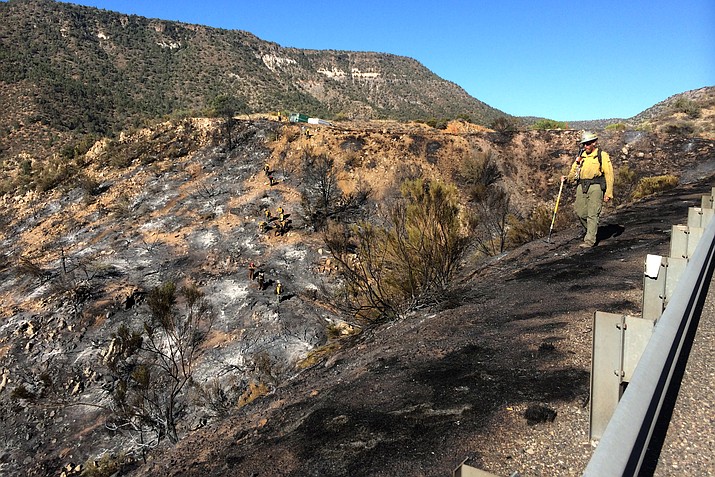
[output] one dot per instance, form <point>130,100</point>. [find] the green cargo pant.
<point>588,209</point>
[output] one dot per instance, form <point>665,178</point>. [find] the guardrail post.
<point>708,200</point>
<point>660,276</point>
<point>684,240</point>
<point>699,216</point>
<point>618,342</point>
<point>465,470</point>
<point>654,278</point>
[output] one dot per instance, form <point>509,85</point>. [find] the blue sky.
<point>558,59</point>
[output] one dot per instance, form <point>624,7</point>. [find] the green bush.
<point>522,231</point>
<point>684,105</point>
<point>80,148</point>
<point>615,127</point>
<point>436,123</point>
<point>105,466</point>
<point>389,270</point>
<point>624,183</point>
<point>652,185</point>
<point>54,173</point>
<point>546,124</point>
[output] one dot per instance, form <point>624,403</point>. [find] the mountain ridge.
<point>174,66</point>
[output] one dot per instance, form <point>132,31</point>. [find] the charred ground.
<point>499,376</point>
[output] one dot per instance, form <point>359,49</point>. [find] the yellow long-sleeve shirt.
<point>590,168</point>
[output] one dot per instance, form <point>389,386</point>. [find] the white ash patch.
<point>40,291</point>
<point>205,238</point>
<point>228,292</point>
<point>249,245</point>
<point>295,255</point>
<point>88,355</point>
<point>153,225</point>
<point>121,265</point>
<point>294,351</point>
<point>85,251</point>
<point>219,363</point>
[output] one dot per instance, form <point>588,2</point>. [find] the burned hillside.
<point>166,220</point>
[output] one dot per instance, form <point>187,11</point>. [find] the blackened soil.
<point>420,396</point>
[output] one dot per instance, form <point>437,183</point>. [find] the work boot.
<point>585,245</point>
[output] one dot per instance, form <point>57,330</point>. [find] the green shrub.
<point>80,148</point>
<point>437,123</point>
<point>616,127</point>
<point>522,231</point>
<point>684,105</point>
<point>389,270</point>
<point>652,185</point>
<point>644,127</point>
<point>546,124</point>
<point>624,183</point>
<point>26,167</point>
<point>105,466</point>
<point>53,173</point>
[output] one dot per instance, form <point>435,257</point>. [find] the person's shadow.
<point>608,231</point>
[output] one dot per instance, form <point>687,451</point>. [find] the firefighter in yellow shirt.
<point>592,171</point>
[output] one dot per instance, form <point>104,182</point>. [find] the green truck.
<point>298,118</point>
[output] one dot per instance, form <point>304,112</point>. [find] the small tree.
<point>687,106</point>
<point>389,270</point>
<point>489,206</point>
<point>546,124</point>
<point>522,230</point>
<point>489,220</point>
<point>321,197</point>
<point>154,367</point>
<point>427,235</point>
<point>226,106</point>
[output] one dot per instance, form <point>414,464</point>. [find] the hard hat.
<point>588,136</point>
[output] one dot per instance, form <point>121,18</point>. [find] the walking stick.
<point>553,219</point>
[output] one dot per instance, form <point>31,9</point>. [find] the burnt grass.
<point>498,378</point>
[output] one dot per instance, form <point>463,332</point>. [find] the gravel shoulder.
<point>687,449</point>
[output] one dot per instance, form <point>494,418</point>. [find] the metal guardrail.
<point>637,367</point>
<point>631,442</point>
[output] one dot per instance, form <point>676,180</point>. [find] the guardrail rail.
<point>631,442</point>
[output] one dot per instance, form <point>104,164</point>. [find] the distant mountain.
<point>95,70</point>
<point>690,113</point>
